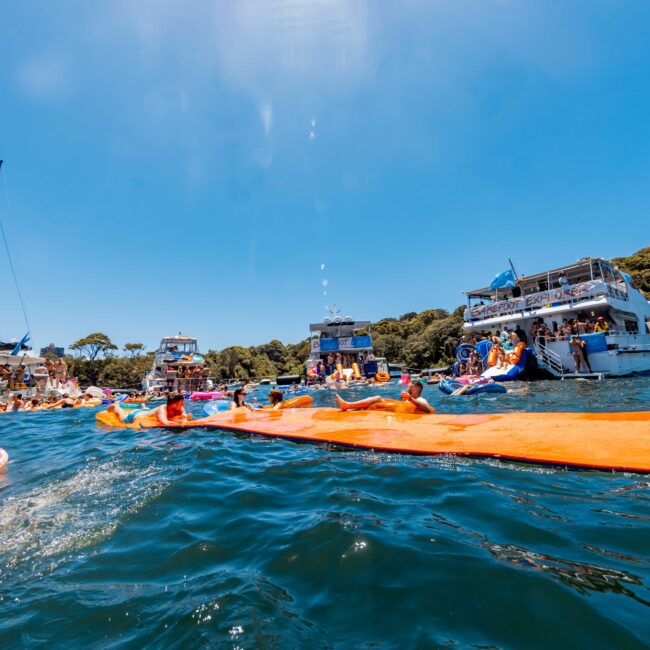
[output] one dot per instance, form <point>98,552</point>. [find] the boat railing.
<point>547,358</point>
<point>530,304</point>
<point>615,292</point>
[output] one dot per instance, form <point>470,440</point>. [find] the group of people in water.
<point>173,412</point>
<point>19,403</point>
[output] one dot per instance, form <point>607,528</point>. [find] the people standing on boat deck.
<point>412,394</point>
<point>239,400</point>
<point>521,334</point>
<point>601,325</point>
<point>579,353</point>
<point>60,372</point>
<point>50,369</point>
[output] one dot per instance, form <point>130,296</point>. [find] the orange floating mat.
<point>611,441</point>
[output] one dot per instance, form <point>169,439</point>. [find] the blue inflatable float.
<point>448,386</point>
<point>216,406</point>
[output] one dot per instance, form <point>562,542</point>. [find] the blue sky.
<point>175,166</point>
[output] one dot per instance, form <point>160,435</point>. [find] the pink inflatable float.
<point>4,458</point>
<point>203,396</point>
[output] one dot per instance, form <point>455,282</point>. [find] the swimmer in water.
<point>239,400</point>
<point>412,394</point>
<point>173,412</point>
<point>276,397</point>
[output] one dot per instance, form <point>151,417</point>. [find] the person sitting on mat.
<point>239,400</point>
<point>173,412</point>
<point>412,394</point>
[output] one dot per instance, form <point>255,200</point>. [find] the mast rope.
<point>11,262</point>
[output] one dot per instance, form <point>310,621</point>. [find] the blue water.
<point>215,539</point>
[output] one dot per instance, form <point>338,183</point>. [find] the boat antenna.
<point>512,266</point>
<point>11,262</point>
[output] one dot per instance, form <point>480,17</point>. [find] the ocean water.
<point>214,539</point>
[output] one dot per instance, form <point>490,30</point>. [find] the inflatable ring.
<point>4,458</point>
<point>382,377</point>
<point>463,351</point>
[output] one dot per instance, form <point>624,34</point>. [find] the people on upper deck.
<point>563,280</point>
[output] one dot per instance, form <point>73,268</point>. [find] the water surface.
<point>217,539</point>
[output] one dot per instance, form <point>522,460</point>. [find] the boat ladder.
<point>548,359</point>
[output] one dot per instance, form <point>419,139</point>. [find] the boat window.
<point>631,326</point>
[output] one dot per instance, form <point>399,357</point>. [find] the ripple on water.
<point>227,540</point>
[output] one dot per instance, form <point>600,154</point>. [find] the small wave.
<point>72,513</point>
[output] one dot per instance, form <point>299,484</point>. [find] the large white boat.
<point>584,291</point>
<point>177,365</point>
<point>345,343</point>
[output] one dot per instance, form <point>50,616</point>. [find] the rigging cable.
<point>11,262</point>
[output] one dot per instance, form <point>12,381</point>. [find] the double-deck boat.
<point>174,357</point>
<point>348,338</point>
<point>591,288</point>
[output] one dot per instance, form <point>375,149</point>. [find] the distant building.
<point>52,350</point>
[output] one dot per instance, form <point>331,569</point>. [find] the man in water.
<point>412,394</point>
<point>173,412</point>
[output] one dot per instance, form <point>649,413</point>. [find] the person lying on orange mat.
<point>412,394</point>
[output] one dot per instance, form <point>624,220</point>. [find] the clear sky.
<point>191,166</point>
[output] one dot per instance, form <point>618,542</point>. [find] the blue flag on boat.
<point>19,346</point>
<point>503,279</point>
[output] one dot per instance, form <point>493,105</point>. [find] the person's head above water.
<point>276,396</point>
<point>415,388</point>
<point>175,404</point>
<point>239,396</point>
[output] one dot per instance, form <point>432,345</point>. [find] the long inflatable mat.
<point>609,441</point>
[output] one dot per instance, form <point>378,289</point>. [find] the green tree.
<point>638,266</point>
<point>93,345</point>
<point>133,349</point>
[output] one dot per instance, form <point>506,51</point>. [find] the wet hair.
<point>236,394</point>
<point>172,398</point>
<point>418,385</point>
<point>276,396</point>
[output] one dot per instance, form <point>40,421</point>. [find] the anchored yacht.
<point>591,288</point>
<point>349,339</point>
<point>175,354</point>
